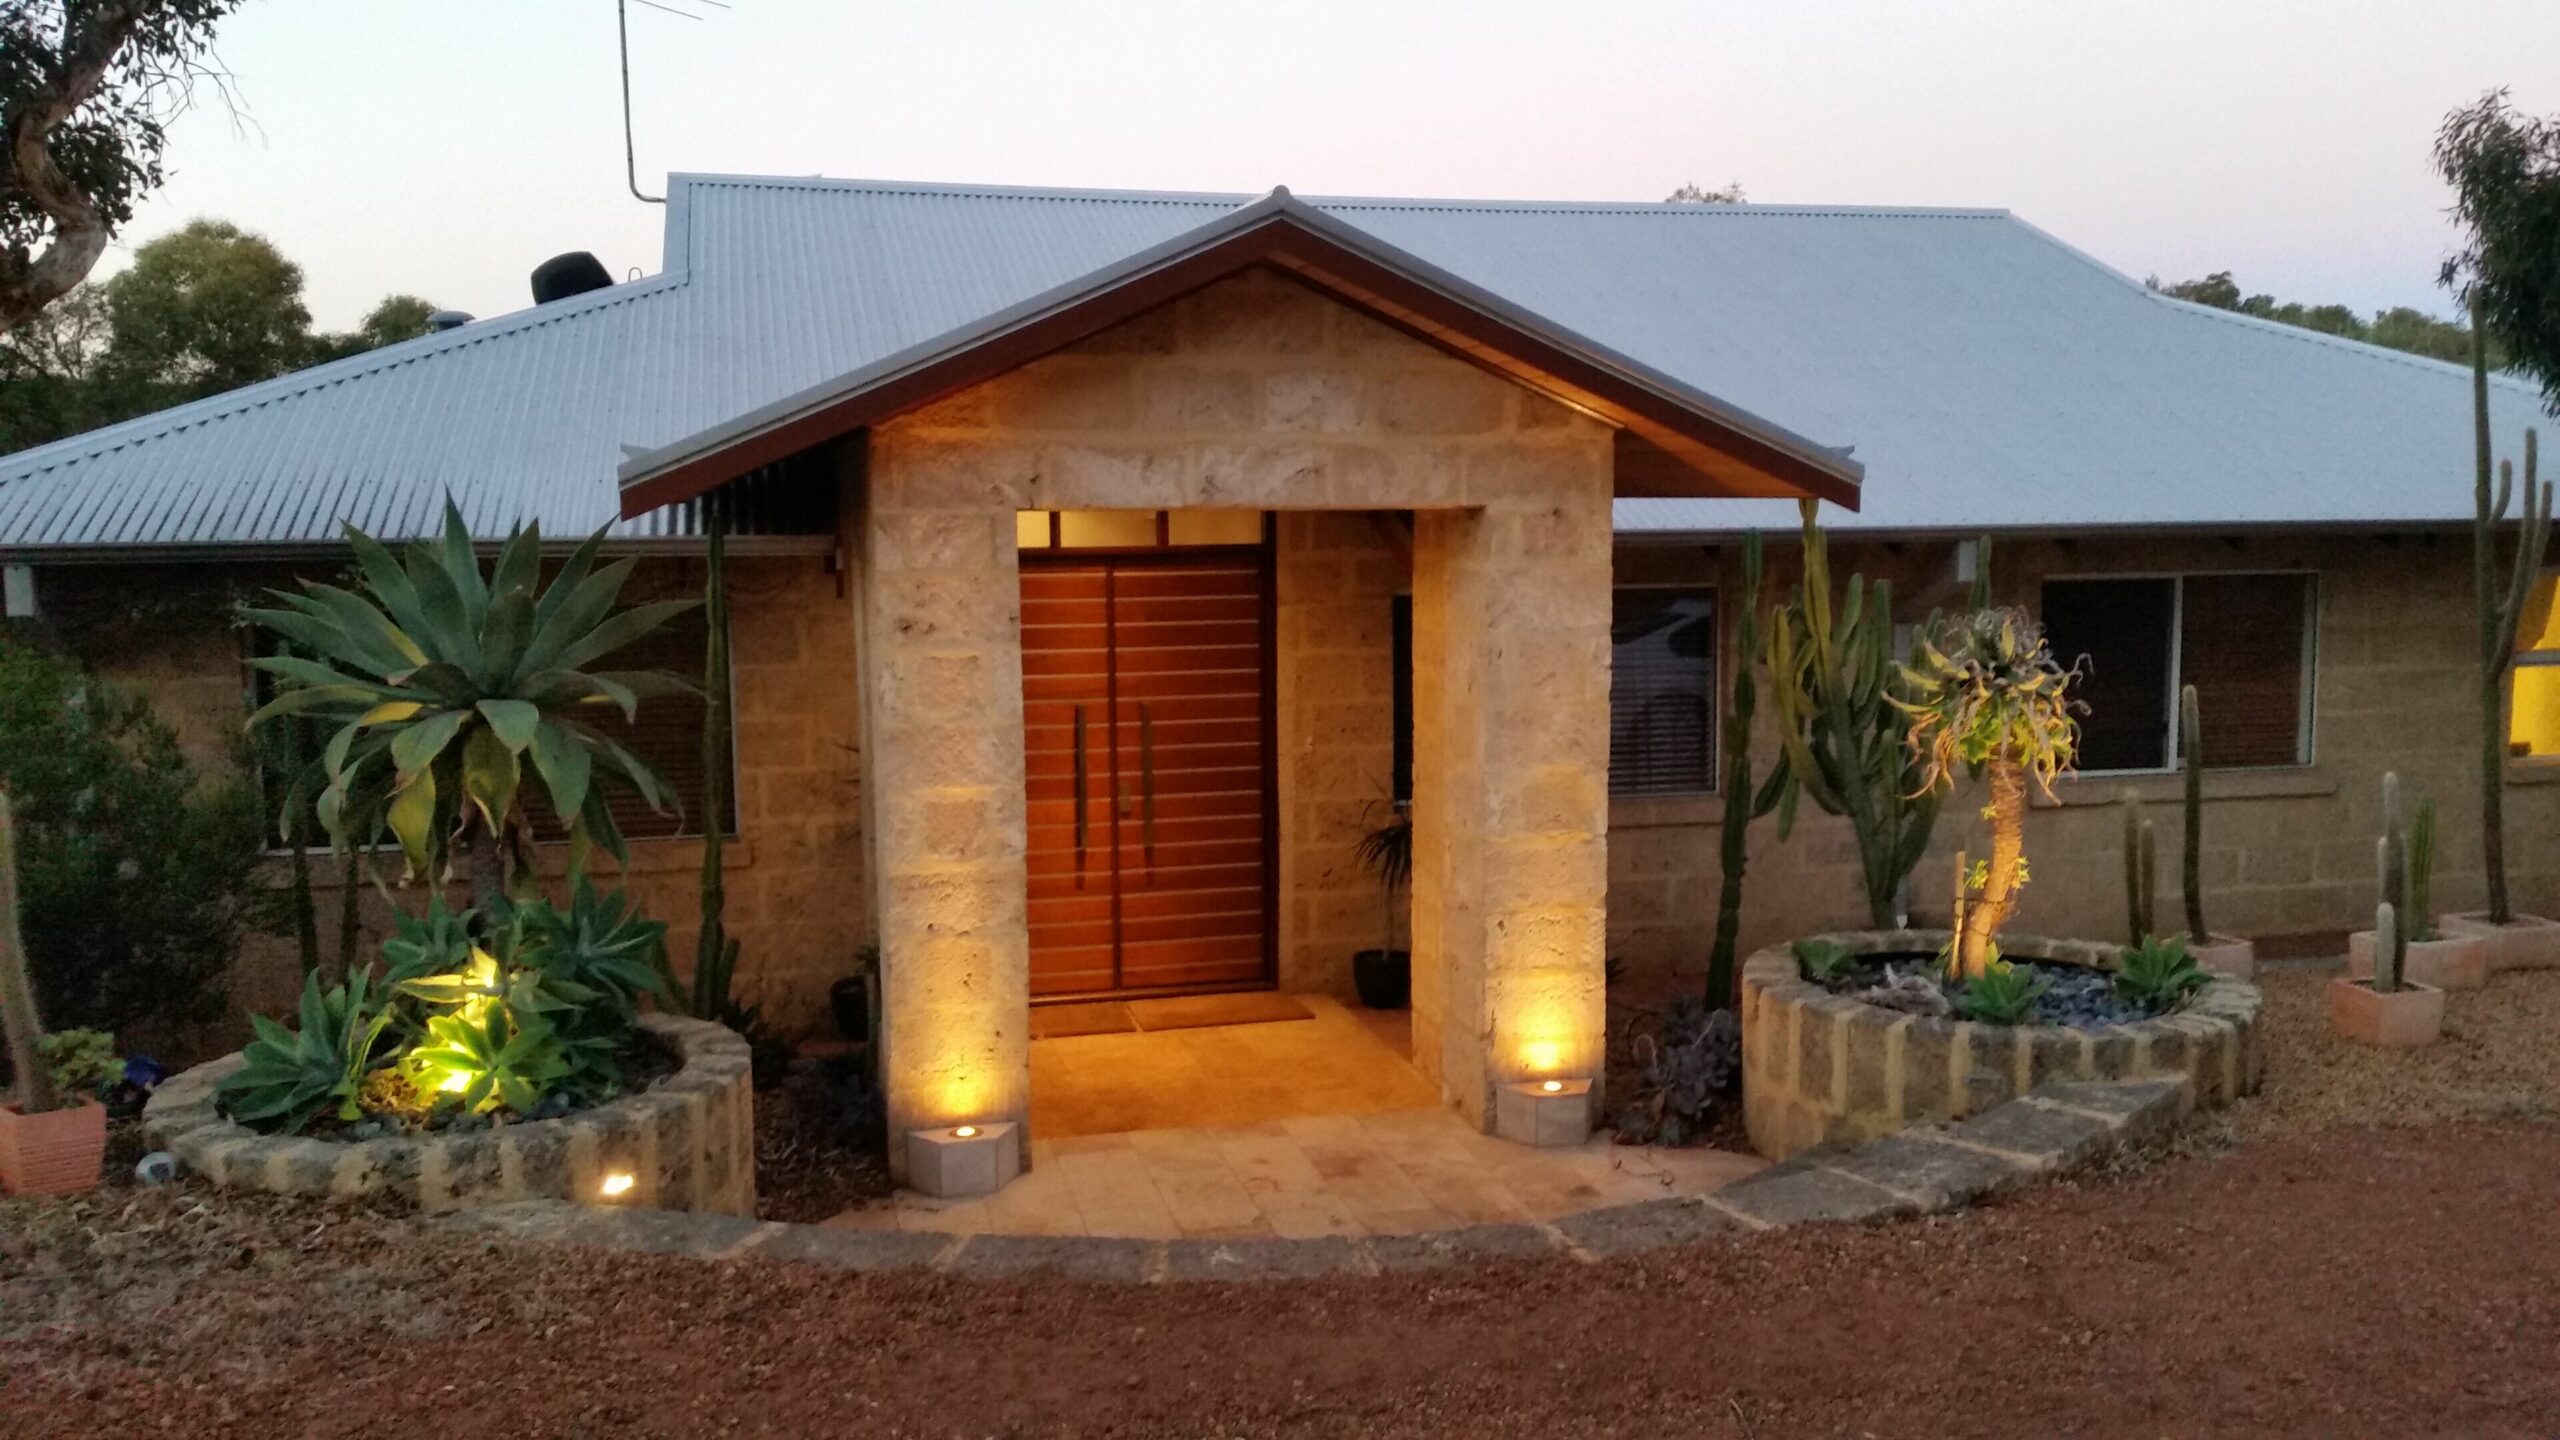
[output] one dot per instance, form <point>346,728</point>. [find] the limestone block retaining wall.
<point>688,1143</point>
<point>1825,1069</point>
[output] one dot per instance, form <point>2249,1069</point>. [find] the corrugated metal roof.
<point>1987,374</point>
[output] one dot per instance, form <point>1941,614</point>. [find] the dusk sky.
<point>447,146</point>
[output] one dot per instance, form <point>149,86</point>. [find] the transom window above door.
<point>2244,641</point>
<point>1135,529</point>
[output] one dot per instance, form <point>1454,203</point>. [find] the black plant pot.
<point>1384,978</point>
<point>850,999</point>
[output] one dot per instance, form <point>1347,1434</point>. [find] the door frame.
<point>1265,556</point>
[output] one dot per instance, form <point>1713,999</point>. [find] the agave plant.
<point>600,944</point>
<point>1985,695</point>
<point>291,1076</point>
<point>444,683</point>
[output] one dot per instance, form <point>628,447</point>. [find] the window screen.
<point>2118,632</point>
<point>1662,692</point>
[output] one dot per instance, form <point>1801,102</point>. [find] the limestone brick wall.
<point>2286,850</point>
<point>1257,393</point>
<point>796,892</point>
<point>1338,576</point>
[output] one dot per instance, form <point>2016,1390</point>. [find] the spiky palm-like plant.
<point>1985,695</point>
<point>446,685</point>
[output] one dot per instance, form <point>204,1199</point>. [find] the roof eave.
<point>1732,451</point>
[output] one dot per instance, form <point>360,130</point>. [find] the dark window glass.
<point>2118,632</point>
<point>1662,692</point>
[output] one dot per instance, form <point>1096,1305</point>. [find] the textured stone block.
<point>1264,1259</point>
<point>1811,1195</point>
<point>1650,1225</point>
<point>1534,1114</point>
<point>1936,1175</point>
<point>2042,1137</point>
<point>943,1162</point>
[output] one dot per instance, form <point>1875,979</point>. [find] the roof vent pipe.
<point>562,276</point>
<point>444,320</point>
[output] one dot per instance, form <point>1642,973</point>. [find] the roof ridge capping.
<point>1238,198</point>
<point>1725,445</point>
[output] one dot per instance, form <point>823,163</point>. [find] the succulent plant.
<point>2191,770</point>
<point>2159,974</point>
<point>2140,866</point>
<point>2501,601</point>
<point>1689,1071</point>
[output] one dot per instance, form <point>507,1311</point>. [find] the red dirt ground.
<point>2345,1283</point>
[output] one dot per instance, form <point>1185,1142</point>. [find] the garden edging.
<point>1820,1068</point>
<point>2056,1129</point>
<point>687,1142</point>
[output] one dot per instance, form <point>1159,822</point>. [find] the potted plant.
<point>2222,954</point>
<point>2405,868</point>
<point>2387,1010</point>
<point>2515,940</point>
<point>54,1136</point>
<point>1384,977</point>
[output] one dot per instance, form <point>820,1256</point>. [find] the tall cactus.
<point>2140,872</point>
<point>2501,602</point>
<point>1741,804</point>
<point>715,961</point>
<point>2191,769</point>
<point>2390,948</point>
<point>18,1019</point>
<point>1830,677</point>
<point>2404,860</point>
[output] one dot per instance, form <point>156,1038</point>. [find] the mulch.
<point>2287,1270</point>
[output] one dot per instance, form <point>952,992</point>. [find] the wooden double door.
<point>1146,685</point>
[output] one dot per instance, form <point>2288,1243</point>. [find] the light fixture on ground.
<point>952,1161</point>
<point>617,1184</point>
<point>1554,1111</point>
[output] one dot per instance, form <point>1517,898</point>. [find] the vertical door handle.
<point>1147,780</point>
<point>1080,788</point>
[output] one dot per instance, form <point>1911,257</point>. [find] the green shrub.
<point>136,874</point>
<point>2001,994</point>
<point>2159,974</point>
<point>83,1062</point>
<point>1825,962</point>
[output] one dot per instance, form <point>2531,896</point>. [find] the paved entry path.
<point>1288,1129</point>
<point>1392,1173</point>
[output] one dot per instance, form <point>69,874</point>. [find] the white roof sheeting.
<point>1987,375</point>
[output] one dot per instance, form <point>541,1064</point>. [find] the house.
<point>1104,561</point>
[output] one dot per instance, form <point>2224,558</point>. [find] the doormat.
<point>1100,1017</point>
<point>1192,1012</point>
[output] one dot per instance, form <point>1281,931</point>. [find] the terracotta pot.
<point>2527,942</point>
<point>2404,1019</point>
<point>2448,962</point>
<point>55,1153</point>
<point>2226,955</point>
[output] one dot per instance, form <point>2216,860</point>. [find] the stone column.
<point>1511,642</point>
<point>941,621</point>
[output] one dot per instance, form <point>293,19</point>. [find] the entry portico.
<point>1274,363</point>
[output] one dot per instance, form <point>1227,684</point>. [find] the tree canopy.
<point>2505,172</point>
<point>1695,194</point>
<point>87,90</point>
<point>206,308</point>
<point>2398,328</point>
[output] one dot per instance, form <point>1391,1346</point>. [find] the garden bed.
<point>1828,1068</point>
<point>686,1143</point>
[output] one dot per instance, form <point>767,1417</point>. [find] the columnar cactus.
<point>17,994</point>
<point>2404,863</point>
<point>2501,600</point>
<point>2191,767</point>
<point>2389,948</point>
<point>1831,679</point>
<point>1742,804</point>
<point>2140,857</point>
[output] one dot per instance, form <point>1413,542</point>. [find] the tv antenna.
<point>622,32</point>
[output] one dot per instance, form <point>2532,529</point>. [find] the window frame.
<point>1713,589</point>
<point>2306,718</point>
